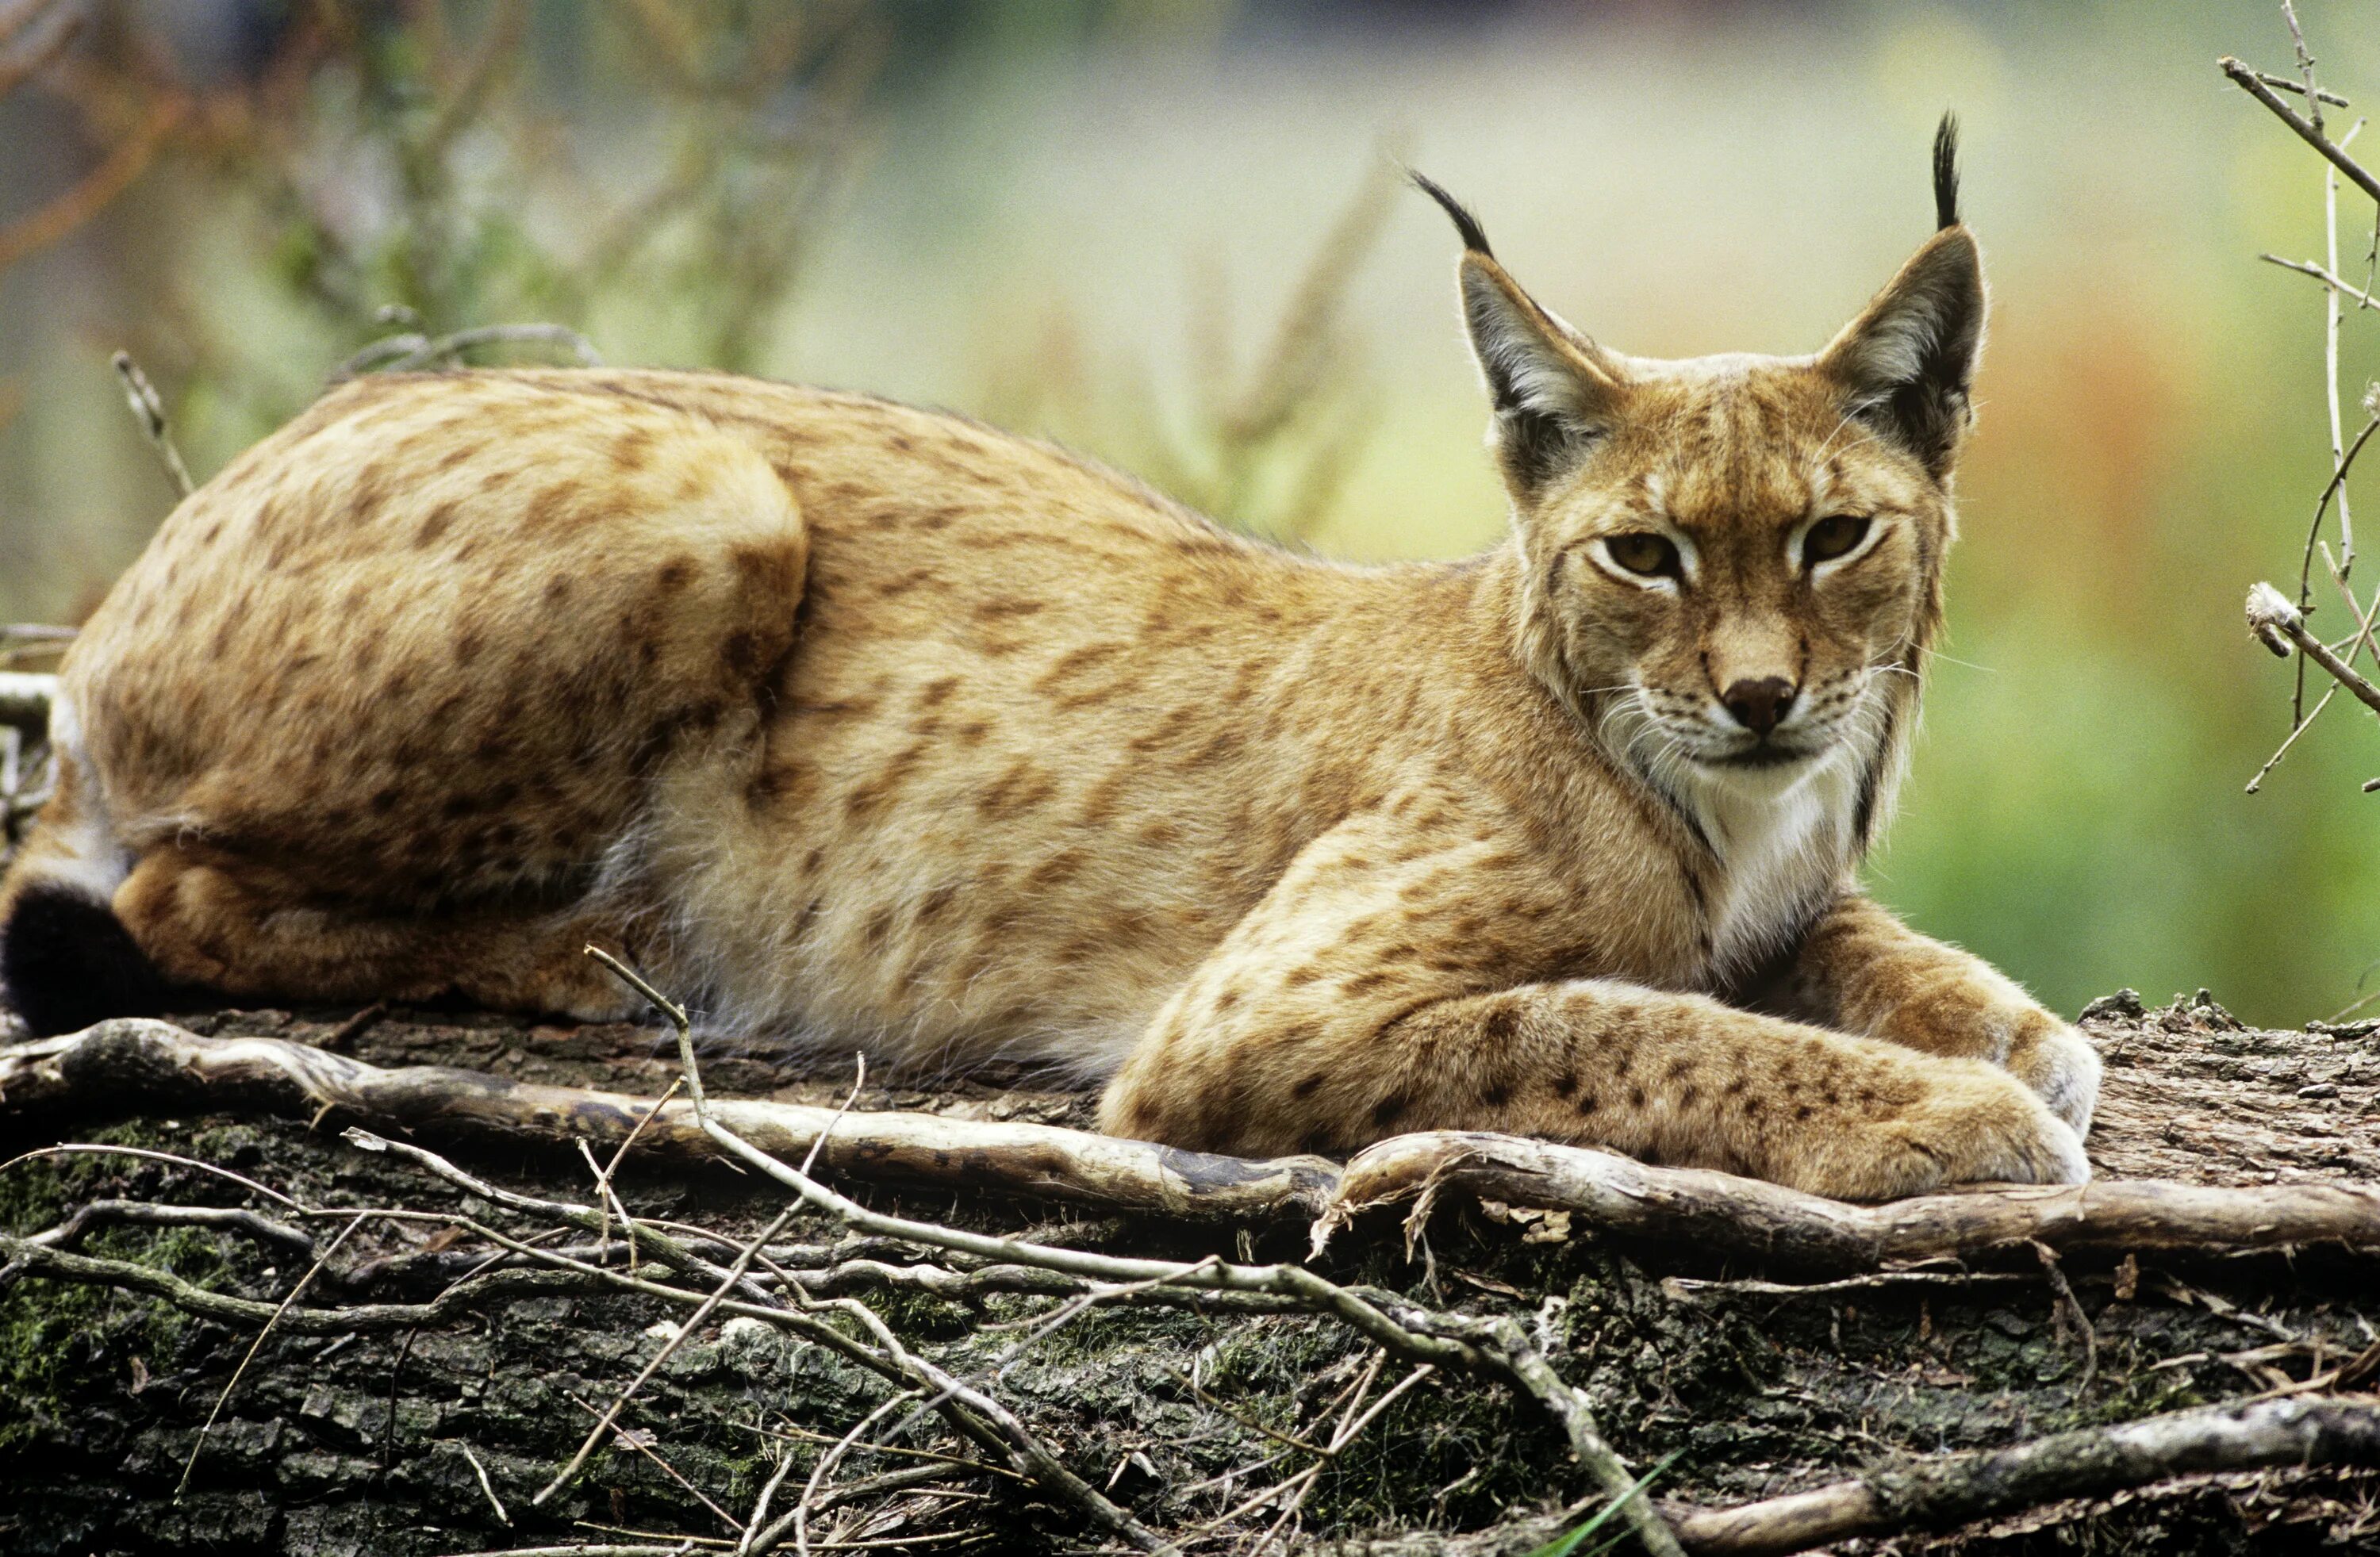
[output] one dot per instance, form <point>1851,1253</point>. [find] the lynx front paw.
<point>2058,1062</point>
<point>1970,1017</point>
<point>1972,1124</point>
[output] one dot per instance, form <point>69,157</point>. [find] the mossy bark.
<point>366,1444</point>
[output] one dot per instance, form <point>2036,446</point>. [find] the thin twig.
<point>485,1485</point>
<point>2329,307</point>
<point>2065,1291</point>
<point>603,1423</point>
<point>825,1467</point>
<point>629,1440</point>
<point>1691,1289</point>
<point>2300,727</point>
<point>85,1149</point>
<point>2282,83</point>
<point>2308,268</point>
<point>254,1346</point>
<point>150,412</point>
<point>2322,506</point>
<point>2277,624</point>
<point>755,1524</point>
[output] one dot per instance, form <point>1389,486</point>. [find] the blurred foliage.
<point>427,165</point>
<point>1265,447</point>
<point>1164,232</point>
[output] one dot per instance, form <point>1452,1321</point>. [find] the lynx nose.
<point>1759,705</point>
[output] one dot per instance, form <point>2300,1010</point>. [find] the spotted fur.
<point>861,725</point>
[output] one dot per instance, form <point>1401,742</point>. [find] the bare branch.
<point>2252,82</point>
<point>1955,1488</point>
<point>2277,624</point>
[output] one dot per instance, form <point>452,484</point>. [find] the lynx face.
<point>1733,558</point>
<point>1737,591</point>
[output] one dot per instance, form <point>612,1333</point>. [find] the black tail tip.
<point>1474,237</point>
<point>67,961</point>
<point>1946,172</point>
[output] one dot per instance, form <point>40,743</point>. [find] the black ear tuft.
<point>1946,172</point>
<point>1474,237</point>
<point>67,961</point>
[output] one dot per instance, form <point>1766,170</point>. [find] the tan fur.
<point>861,725</point>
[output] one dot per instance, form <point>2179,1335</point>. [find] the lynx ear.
<point>1908,361</point>
<point>1554,392</point>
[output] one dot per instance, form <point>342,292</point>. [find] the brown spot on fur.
<point>434,526</point>
<point>1021,787</point>
<point>1056,869</point>
<point>865,801</point>
<point>550,507</point>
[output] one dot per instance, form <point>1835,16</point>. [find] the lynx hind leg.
<point>439,774</point>
<point>245,930</point>
<point>486,616</point>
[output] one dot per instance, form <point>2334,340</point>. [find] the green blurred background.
<point>1162,232</point>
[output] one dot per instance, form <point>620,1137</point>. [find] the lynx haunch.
<point>866,726</point>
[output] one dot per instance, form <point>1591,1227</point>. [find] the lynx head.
<point>1732,564</point>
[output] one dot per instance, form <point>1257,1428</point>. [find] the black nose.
<point>1757,705</point>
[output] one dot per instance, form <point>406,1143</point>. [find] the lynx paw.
<point>2058,1062</point>
<point>1973,1125</point>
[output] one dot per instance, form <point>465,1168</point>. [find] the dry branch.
<point>113,1062</point>
<point>2277,624</point>
<point>117,1062</point>
<point>2252,82</point>
<point>1720,1213</point>
<point>1960,1489</point>
<point>1952,1491</point>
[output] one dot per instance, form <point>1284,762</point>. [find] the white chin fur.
<point>1785,832</point>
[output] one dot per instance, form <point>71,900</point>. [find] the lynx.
<point>867,726</point>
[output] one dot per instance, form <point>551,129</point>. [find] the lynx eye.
<point>1642,551</point>
<point>1833,537</point>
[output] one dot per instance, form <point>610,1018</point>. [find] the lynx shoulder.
<point>860,725</point>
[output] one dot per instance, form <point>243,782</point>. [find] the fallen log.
<point>120,1061</point>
